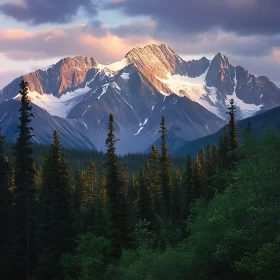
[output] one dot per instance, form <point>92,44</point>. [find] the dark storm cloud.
<point>240,16</point>
<point>48,11</point>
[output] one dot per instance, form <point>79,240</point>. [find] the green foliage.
<point>220,220</point>
<point>233,139</point>
<point>235,235</point>
<point>155,181</point>
<point>56,227</point>
<point>165,171</point>
<point>25,191</point>
<point>117,207</point>
<point>188,191</point>
<point>89,260</point>
<point>144,199</point>
<point>6,211</point>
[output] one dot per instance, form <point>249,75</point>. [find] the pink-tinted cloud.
<point>259,54</point>
<point>15,34</point>
<point>77,40</point>
<point>276,54</point>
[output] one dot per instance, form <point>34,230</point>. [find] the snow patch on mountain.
<point>104,89</point>
<point>247,109</point>
<point>142,124</point>
<point>125,76</point>
<point>139,130</point>
<point>194,89</point>
<point>57,106</point>
<point>116,66</point>
<point>3,117</point>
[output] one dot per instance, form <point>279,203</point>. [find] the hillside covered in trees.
<point>78,215</point>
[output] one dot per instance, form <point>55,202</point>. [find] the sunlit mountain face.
<point>147,83</point>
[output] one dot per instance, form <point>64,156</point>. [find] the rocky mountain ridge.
<point>147,83</point>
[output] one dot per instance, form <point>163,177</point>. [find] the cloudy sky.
<point>37,33</point>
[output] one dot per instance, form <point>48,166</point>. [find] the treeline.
<point>81,158</point>
<point>218,218</point>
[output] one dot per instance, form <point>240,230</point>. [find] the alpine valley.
<point>76,96</point>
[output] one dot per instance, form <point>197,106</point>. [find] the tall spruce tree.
<point>233,137</point>
<point>188,189</point>
<point>118,234</point>
<point>102,185</point>
<point>202,158</point>
<point>144,202</point>
<point>155,187</point>
<point>6,214</point>
<point>209,161</point>
<point>165,171</point>
<point>215,156</point>
<point>56,230</point>
<point>210,169</point>
<point>224,149</point>
<point>176,195</point>
<point>90,187</point>
<point>203,168</point>
<point>25,190</point>
<point>199,190</point>
<point>78,190</point>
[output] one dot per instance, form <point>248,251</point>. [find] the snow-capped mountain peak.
<point>138,89</point>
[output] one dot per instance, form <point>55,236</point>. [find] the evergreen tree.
<point>165,171</point>
<point>203,169</point>
<point>79,184</point>
<point>224,149</point>
<point>102,185</point>
<point>124,175</point>
<point>116,200</point>
<point>209,161</point>
<point>90,187</point>
<point>248,129</point>
<point>233,139</point>
<point>215,157</point>
<point>6,214</point>
<point>199,190</point>
<point>188,189</point>
<point>56,231</point>
<point>209,171</point>
<point>202,158</point>
<point>176,195</point>
<point>25,191</point>
<point>144,202</point>
<point>133,188</point>
<point>155,187</point>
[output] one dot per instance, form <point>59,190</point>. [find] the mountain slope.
<point>266,120</point>
<point>147,83</point>
<point>73,133</point>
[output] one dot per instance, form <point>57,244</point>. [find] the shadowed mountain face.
<point>147,83</point>
<point>72,132</point>
<point>266,120</point>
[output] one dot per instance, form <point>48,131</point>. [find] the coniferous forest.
<point>87,215</point>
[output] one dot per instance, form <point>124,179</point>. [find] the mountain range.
<point>76,96</point>
<point>268,120</point>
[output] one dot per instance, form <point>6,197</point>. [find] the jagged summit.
<point>221,59</point>
<point>147,83</point>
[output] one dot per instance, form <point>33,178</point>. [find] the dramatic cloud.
<point>58,42</point>
<point>192,44</point>
<point>48,11</point>
<point>189,16</point>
